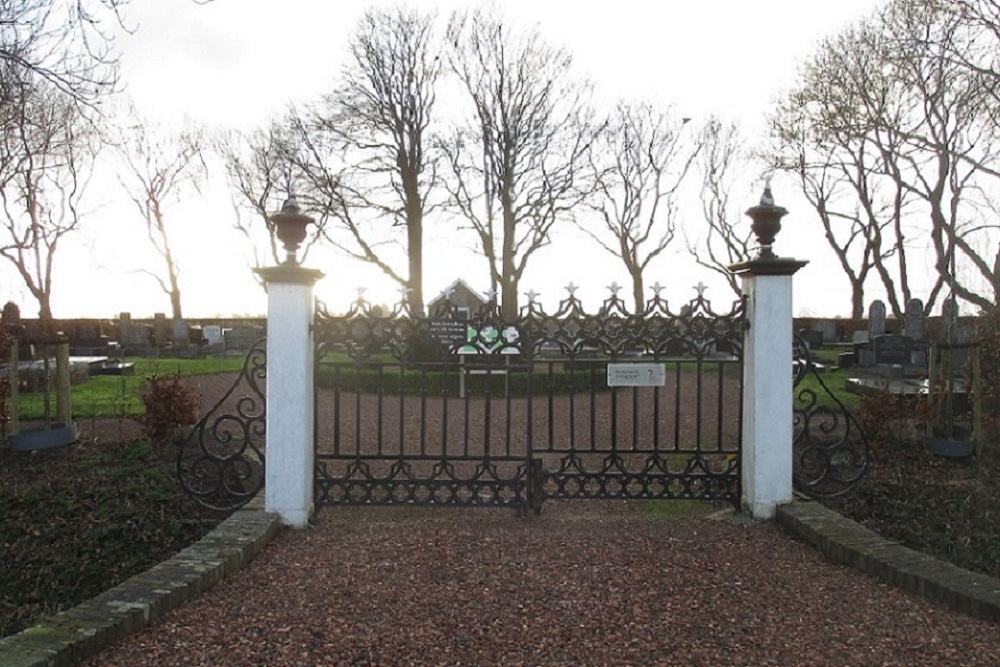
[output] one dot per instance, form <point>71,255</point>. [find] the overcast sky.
<point>235,63</point>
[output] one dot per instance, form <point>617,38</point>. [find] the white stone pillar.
<point>767,393</point>
<point>289,460</point>
<point>766,463</point>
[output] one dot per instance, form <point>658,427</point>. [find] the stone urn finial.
<point>290,226</point>
<point>766,224</point>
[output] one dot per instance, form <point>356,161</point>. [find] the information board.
<point>449,332</point>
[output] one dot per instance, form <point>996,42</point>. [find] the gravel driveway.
<point>583,584</point>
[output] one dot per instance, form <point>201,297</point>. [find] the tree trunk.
<point>415,249</point>
<point>175,290</point>
<point>508,304</point>
<point>45,307</point>
<point>637,290</point>
<point>175,303</point>
<point>508,273</point>
<point>857,299</point>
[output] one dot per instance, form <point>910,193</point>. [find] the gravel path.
<point>584,584</point>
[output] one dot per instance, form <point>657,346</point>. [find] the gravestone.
<point>181,333</point>
<point>124,329</point>
<point>160,329</point>
<point>141,337</point>
<point>949,318</point>
<point>892,350</point>
<point>915,319</point>
<point>212,334</point>
<point>240,339</point>
<point>814,339</point>
<point>88,339</point>
<point>11,314</point>
<point>826,327</point>
<point>876,319</point>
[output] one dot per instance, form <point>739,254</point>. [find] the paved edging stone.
<point>76,634</point>
<point>846,542</point>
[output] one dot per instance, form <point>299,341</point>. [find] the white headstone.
<point>212,334</point>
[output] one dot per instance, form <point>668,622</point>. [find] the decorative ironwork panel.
<point>474,409</point>
<point>831,450</point>
<point>221,463</point>
<point>409,481</point>
<point>633,476</point>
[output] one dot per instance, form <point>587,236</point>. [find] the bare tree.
<point>367,147</point>
<point>47,150</point>
<point>67,43</point>
<point>161,167</point>
<point>519,164</point>
<point>948,153</point>
<point>726,169</point>
<point>260,167</point>
<point>823,137</point>
<point>889,141</point>
<point>640,160</point>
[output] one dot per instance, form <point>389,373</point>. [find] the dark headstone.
<point>124,329</point>
<point>11,313</point>
<point>160,329</point>
<point>240,339</point>
<point>814,339</point>
<point>892,349</point>
<point>915,319</point>
<point>196,336</point>
<point>876,319</point>
<point>180,333</point>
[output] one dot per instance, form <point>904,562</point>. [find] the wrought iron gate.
<point>482,411</point>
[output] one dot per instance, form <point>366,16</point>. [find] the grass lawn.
<point>108,396</point>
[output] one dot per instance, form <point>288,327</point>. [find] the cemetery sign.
<point>449,332</point>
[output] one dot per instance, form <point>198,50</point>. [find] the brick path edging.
<point>846,542</point>
<point>76,634</point>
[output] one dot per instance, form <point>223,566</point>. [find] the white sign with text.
<point>637,375</point>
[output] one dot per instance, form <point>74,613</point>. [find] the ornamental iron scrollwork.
<point>406,390</point>
<point>832,454</point>
<point>696,330</point>
<point>221,463</point>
